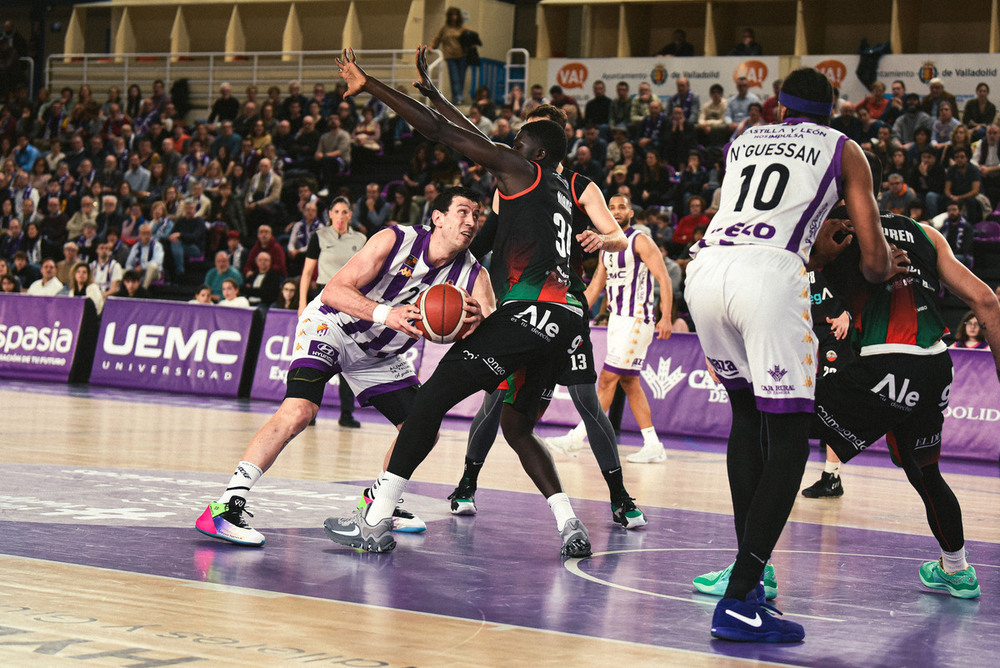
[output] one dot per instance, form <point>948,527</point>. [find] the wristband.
<point>380,313</point>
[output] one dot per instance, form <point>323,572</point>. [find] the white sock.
<point>243,479</point>
<point>561,508</point>
<point>578,432</point>
<point>649,436</point>
<point>390,487</point>
<point>954,561</point>
<point>832,467</point>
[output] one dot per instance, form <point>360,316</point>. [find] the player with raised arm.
<point>527,341</point>
<point>360,326</point>
<point>589,210</point>
<point>749,297</point>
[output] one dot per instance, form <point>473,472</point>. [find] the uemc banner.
<point>277,347</point>
<point>39,336</point>
<point>171,346</point>
<point>576,76</point>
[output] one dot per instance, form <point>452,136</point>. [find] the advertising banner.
<point>276,352</point>
<point>576,76</point>
<point>682,395</point>
<point>39,336</point>
<point>972,419</point>
<point>172,346</point>
<point>959,72</point>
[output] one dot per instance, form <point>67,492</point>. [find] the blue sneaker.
<point>716,582</point>
<point>751,620</point>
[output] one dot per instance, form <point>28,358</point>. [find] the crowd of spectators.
<point>225,206</point>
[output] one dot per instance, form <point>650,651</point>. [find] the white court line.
<point>574,567</point>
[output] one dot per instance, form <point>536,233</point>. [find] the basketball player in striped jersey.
<point>360,326</point>
<point>526,341</point>
<point>748,295</point>
<point>628,276</point>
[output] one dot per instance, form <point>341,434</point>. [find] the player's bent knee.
<point>297,413</point>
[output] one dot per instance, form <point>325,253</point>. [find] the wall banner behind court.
<point>170,346</point>
<point>959,72</point>
<point>576,76</point>
<point>39,336</point>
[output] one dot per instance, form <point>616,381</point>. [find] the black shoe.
<point>827,486</point>
<point>463,499</point>
<point>349,422</point>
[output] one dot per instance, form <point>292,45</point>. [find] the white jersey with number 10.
<point>781,181</point>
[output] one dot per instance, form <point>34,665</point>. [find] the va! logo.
<point>663,379</point>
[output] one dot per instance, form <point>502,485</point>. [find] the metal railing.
<point>206,71</point>
<point>516,70</point>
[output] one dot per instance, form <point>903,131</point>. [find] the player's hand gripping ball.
<point>441,313</point>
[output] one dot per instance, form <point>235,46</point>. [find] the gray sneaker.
<point>575,539</point>
<point>354,531</point>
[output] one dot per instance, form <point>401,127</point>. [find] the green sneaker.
<point>962,584</point>
<point>716,582</point>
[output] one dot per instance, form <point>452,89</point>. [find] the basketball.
<point>441,313</point>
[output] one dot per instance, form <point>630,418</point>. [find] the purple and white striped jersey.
<point>629,285</point>
<point>781,181</point>
<point>404,275</point>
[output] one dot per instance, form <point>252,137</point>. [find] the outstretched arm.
<point>967,287</point>
<point>427,88</point>
<point>512,170</point>
<point>597,283</point>
<point>610,236</point>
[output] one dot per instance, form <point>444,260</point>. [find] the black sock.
<point>470,476</point>
<point>616,486</point>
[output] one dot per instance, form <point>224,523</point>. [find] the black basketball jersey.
<point>533,239</point>
<point>902,311</point>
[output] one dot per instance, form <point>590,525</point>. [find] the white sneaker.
<point>650,452</point>
<point>567,444</point>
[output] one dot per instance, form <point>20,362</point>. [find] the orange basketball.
<point>441,313</point>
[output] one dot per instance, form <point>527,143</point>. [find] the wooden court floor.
<point>101,564</point>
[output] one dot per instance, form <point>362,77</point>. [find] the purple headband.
<point>805,106</point>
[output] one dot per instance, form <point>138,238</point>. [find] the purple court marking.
<point>856,591</point>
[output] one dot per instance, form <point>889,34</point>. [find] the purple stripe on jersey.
<point>473,275</point>
<point>634,283</point>
<point>789,405</point>
<point>357,326</point>
<point>456,269</point>
<point>647,308</point>
<point>800,227</point>
<point>313,363</point>
<point>838,175</point>
<point>328,310</point>
<point>379,342</point>
<point>365,397</point>
<point>388,260</point>
<point>400,281</point>
<point>621,372</point>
